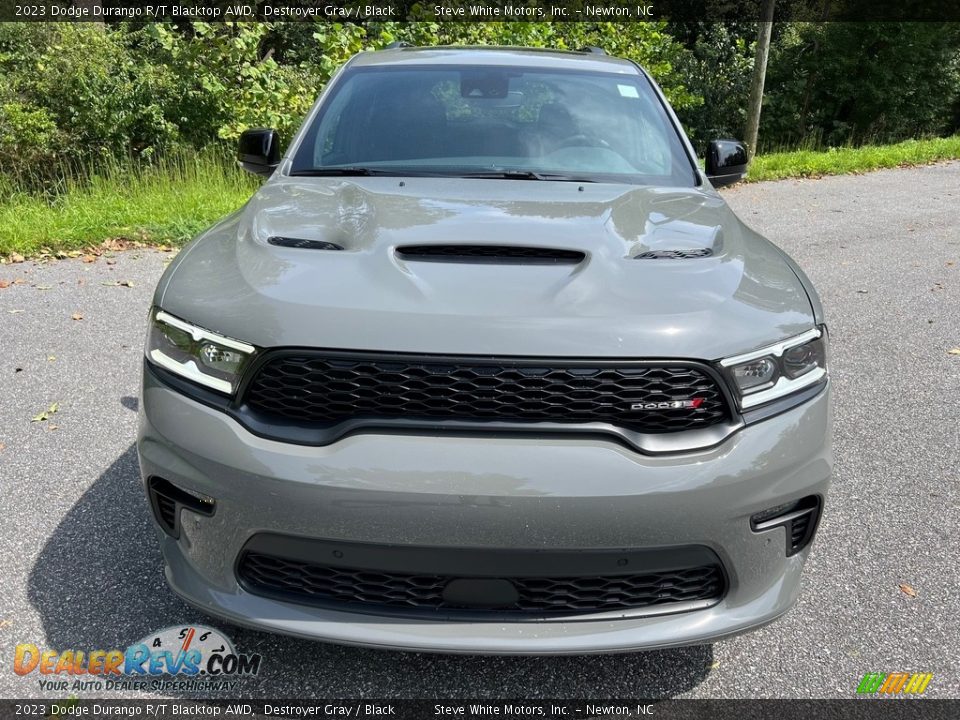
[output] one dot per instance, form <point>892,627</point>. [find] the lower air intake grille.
<point>323,389</point>
<point>309,583</point>
<point>167,499</point>
<point>799,520</point>
<point>167,512</point>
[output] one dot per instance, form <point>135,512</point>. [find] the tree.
<point>759,76</point>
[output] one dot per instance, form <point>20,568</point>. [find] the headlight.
<point>779,370</point>
<point>196,354</point>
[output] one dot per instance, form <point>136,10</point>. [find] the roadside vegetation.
<point>844,160</point>
<point>122,130</point>
<point>168,202</point>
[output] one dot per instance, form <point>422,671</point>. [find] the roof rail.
<point>398,44</point>
<point>593,49</point>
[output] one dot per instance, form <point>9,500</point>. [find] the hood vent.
<point>303,244</point>
<point>505,254</point>
<point>689,254</point>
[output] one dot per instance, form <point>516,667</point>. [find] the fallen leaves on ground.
<point>16,258</point>
<point>4,284</point>
<point>116,244</point>
<point>908,590</point>
<point>88,258</point>
<point>2,446</point>
<point>45,415</point>
<point>43,287</point>
<point>954,351</point>
<point>51,358</point>
<point>118,283</point>
<point>77,316</point>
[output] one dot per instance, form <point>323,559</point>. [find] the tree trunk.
<point>759,76</point>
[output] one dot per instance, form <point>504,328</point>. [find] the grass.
<point>164,203</point>
<point>845,160</point>
<point>172,200</point>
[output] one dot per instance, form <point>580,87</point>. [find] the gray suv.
<point>487,365</point>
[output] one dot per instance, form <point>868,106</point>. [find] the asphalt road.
<point>81,568</point>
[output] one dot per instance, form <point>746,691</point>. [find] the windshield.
<point>475,121</point>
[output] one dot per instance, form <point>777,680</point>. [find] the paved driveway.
<point>81,568</point>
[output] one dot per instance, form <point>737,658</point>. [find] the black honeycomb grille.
<point>325,390</point>
<point>321,584</point>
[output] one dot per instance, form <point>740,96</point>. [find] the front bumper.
<point>490,492</point>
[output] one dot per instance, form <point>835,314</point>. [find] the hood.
<point>734,292</point>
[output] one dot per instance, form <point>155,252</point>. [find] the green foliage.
<point>168,200</point>
<point>850,83</point>
<point>229,80</point>
<point>103,99</point>
<point>717,67</point>
<point>839,161</point>
<point>75,96</point>
<point>29,137</point>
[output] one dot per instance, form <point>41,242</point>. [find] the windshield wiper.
<point>337,171</point>
<point>522,175</point>
<point>357,171</point>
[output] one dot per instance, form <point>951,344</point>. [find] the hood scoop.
<point>490,254</point>
<point>302,243</point>
<point>687,254</point>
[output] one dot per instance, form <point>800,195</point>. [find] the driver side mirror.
<point>258,151</point>
<point>726,162</point>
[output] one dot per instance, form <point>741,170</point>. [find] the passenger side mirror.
<point>726,162</point>
<point>258,151</point>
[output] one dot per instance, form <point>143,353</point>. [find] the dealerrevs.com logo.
<point>182,658</point>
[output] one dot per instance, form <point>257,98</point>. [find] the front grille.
<point>325,389</point>
<point>310,583</point>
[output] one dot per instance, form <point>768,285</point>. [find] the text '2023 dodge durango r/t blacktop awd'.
<point>487,365</point>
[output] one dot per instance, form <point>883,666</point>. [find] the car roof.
<point>496,55</point>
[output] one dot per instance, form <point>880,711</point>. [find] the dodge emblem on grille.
<point>669,405</point>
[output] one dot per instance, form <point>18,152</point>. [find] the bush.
<point>76,95</point>
<point>103,99</point>
<point>851,83</point>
